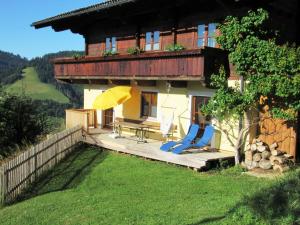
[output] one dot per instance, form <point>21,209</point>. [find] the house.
<point>166,83</point>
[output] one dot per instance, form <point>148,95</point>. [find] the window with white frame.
<point>211,39</point>
<point>152,41</point>
<point>148,46</point>
<point>207,35</point>
<point>111,44</point>
<point>156,41</point>
<point>201,35</point>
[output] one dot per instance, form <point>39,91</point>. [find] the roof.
<point>82,11</point>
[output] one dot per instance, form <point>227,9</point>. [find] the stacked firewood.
<point>260,155</point>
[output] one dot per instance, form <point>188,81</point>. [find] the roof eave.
<point>79,12</point>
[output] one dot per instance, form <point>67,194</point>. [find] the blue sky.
<point>18,37</point>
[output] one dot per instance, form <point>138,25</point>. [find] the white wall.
<point>177,102</point>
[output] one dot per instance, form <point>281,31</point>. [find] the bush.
<point>21,121</point>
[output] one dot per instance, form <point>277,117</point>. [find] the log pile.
<point>260,155</point>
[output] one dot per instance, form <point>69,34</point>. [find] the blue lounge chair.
<point>203,141</point>
<point>194,128</point>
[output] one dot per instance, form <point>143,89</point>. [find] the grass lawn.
<point>36,89</point>
<point>95,187</point>
<point>58,124</point>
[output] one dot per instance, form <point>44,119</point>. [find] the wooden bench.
<point>154,127</point>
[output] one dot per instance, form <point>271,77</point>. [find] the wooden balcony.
<point>181,65</point>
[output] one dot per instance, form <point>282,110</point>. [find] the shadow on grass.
<point>279,203</point>
<point>67,174</point>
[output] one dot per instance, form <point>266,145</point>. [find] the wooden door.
<point>108,117</point>
<point>197,116</point>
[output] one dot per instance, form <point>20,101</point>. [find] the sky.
<point>18,37</point>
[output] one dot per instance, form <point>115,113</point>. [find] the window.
<point>148,41</point>
<point>107,44</point>
<point>114,44</point>
<point>201,35</point>
<point>211,41</point>
<point>206,35</point>
<point>111,44</point>
<point>156,41</point>
<point>197,115</point>
<point>152,41</point>
<point>149,104</point>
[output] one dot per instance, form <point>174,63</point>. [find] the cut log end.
<point>261,148</point>
<point>265,164</point>
<point>250,164</point>
<point>276,160</point>
<point>266,154</point>
<point>253,147</point>
<point>273,146</point>
<point>281,168</point>
<point>257,157</point>
<point>276,152</point>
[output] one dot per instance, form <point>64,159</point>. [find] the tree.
<point>20,121</point>
<point>269,71</point>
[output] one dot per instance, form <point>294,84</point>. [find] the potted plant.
<point>109,53</point>
<point>174,47</point>
<point>134,51</point>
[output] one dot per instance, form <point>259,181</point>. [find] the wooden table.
<point>140,129</point>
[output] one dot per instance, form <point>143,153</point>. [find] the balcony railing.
<point>181,65</point>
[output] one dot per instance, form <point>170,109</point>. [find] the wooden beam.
<point>138,37</point>
<point>167,78</point>
<point>178,84</point>
<point>121,82</point>
<point>146,83</point>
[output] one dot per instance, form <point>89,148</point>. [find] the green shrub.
<point>109,53</point>
<point>134,50</point>
<point>77,55</point>
<point>175,47</point>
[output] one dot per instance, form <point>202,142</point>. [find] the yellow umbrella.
<point>112,97</point>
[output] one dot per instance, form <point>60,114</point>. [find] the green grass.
<point>34,88</point>
<point>95,187</point>
<point>57,124</point>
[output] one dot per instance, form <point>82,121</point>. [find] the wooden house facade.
<point>131,42</point>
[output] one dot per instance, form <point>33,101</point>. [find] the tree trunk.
<point>237,146</point>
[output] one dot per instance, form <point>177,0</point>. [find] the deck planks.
<point>196,159</point>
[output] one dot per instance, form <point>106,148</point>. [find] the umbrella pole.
<point>116,130</point>
<point>114,127</point>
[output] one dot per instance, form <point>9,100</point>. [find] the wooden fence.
<point>18,173</point>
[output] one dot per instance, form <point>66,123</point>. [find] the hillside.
<point>11,67</point>
<point>44,68</point>
<point>31,85</point>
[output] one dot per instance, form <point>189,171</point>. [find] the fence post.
<point>56,148</point>
<point>35,162</point>
<point>2,186</point>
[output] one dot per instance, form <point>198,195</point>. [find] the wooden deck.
<point>195,158</point>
